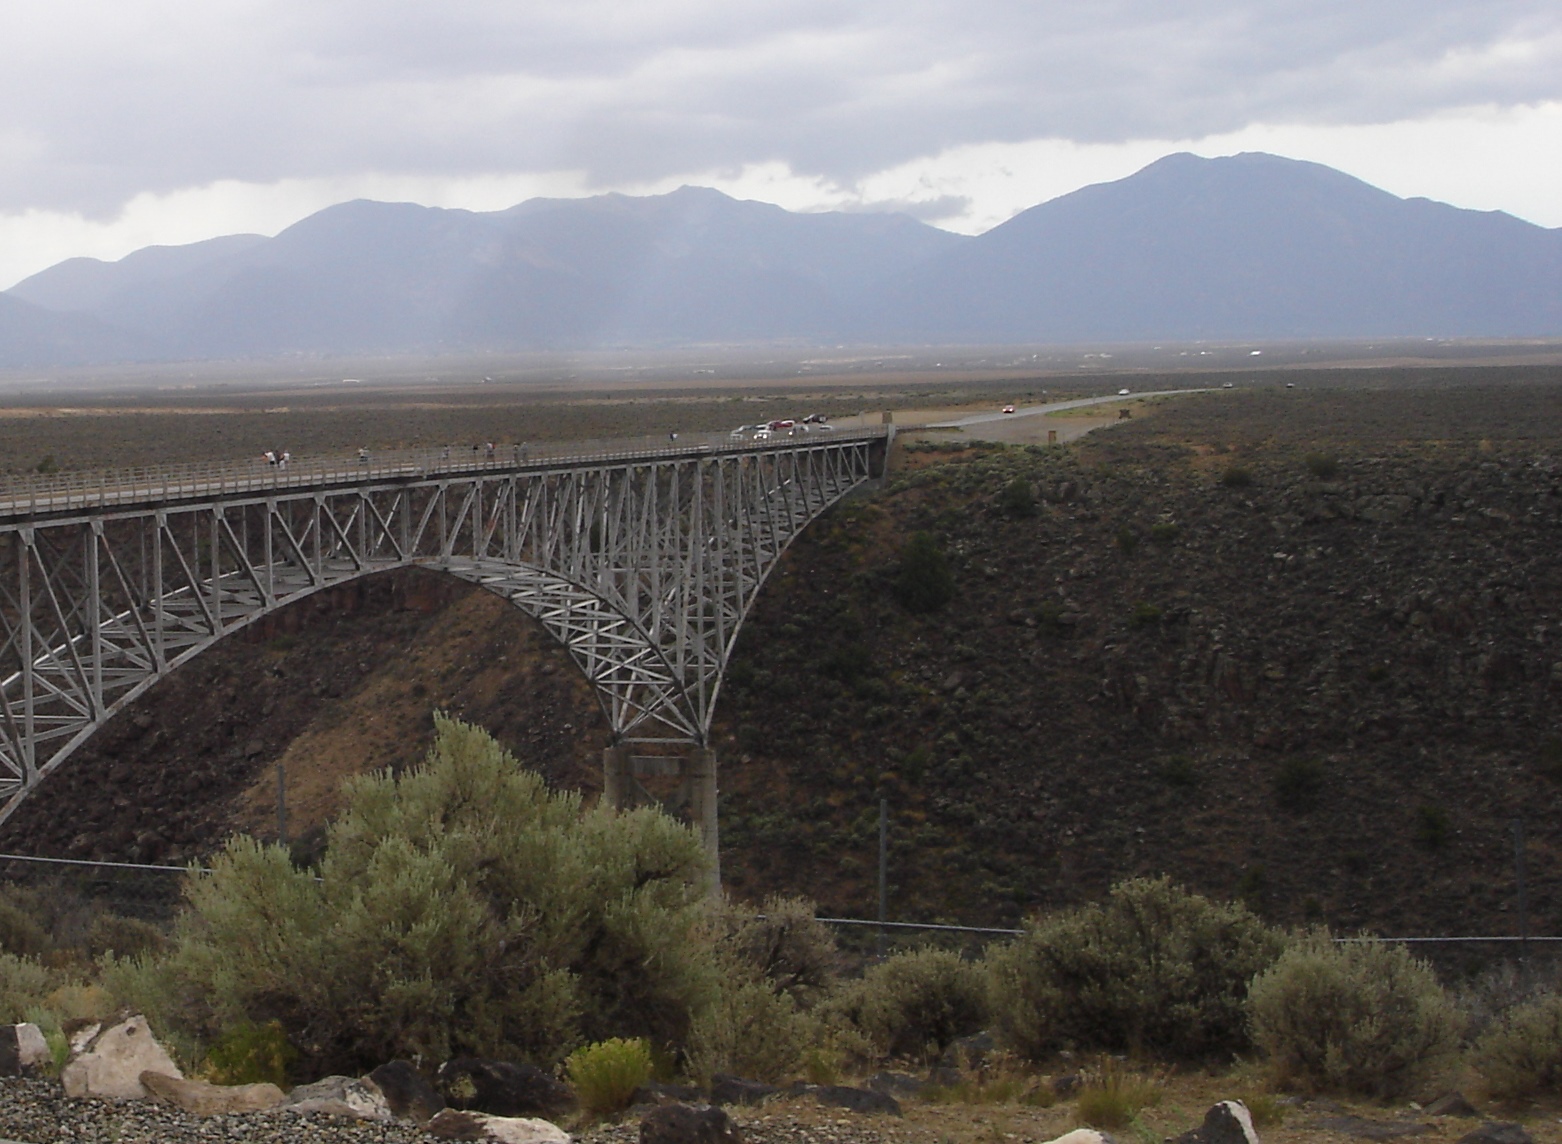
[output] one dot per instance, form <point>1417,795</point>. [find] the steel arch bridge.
<point>641,558</point>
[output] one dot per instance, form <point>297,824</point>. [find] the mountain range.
<point>1250,246</point>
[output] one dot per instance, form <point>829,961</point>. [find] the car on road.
<point>762,434</point>
<point>1122,393</point>
<point>781,423</point>
<point>1229,385</point>
<point>1008,409</point>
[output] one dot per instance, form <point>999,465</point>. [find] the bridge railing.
<point>29,494</point>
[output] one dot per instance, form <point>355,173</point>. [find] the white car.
<point>762,434</point>
<point>1122,393</point>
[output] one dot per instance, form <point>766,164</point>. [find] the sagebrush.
<point>1362,1017</point>
<point>461,908</point>
<point>1154,969</point>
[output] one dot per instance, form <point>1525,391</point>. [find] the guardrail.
<point>29,494</point>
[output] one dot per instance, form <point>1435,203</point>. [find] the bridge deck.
<point>33,495</point>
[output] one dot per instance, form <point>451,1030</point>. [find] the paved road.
<point>1055,406</point>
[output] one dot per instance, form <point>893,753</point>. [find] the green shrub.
<point>1145,615</point>
<point>1127,540</point>
<point>606,1074</point>
<point>1521,1054</point>
<point>1298,785</point>
<point>1113,1095</point>
<point>47,466</point>
<point>1179,771</point>
<point>1165,532</point>
<point>1360,1017</point>
<point>1236,477</point>
<point>251,1054</point>
<point>25,983</point>
<point>1154,969</point>
<point>751,1030</point>
<point>787,947</point>
<point>461,908</point>
<point>1322,465</point>
<point>1432,827</point>
<point>21,931</point>
<point>924,582</point>
<point>1017,499</point>
<point>916,1003</point>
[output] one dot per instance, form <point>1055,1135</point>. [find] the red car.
<point>1008,409</point>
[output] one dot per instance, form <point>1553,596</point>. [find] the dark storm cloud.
<point>103,100</point>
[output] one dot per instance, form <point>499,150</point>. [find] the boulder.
<point>501,1088</point>
<point>725,1089</point>
<point>969,1052</point>
<point>359,1098</point>
<point>853,1099</point>
<point>460,1124</point>
<point>113,1060</point>
<point>1083,1136</point>
<point>1364,1129</point>
<point>688,1124</point>
<point>22,1049</point>
<point>655,1093</point>
<point>1451,1104</point>
<point>201,1098</point>
<point>407,1092</point>
<point>1226,1123</point>
<point>1494,1132</point>
<point>1066,1085</point>
<point>894,1084</point>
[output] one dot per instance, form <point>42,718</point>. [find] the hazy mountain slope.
<point>31,336</point>
<point>92,284</point>
<point>1250,246</point>
<point>1247,246</point>
<point>387,277</point>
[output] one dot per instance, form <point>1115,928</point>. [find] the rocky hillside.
<point>1294,646</point>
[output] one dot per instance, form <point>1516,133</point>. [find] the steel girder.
<point>643,569</point>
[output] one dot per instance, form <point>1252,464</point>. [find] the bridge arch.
<point>642,563</point>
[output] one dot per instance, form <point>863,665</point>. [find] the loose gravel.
<point>37,1111</point>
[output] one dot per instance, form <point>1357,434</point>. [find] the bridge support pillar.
<point>694,799</point>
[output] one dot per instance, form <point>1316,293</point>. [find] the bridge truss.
<point>642,562</point>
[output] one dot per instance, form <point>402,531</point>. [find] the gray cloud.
<point>101,99</point>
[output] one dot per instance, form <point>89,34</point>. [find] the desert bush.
<point>1153,969</point>
<point>1017,499</point>
<point>1113,1095</point>
<point>110,933</point>
<point>924,582</point>
<point>915,1003</point>
<point>1432,827</point>
<point>1298,785</point>
<point>750,1030</point>
<point>251,1054</point>
<point>787,946</point>
<point>1322,465</point>
<point>21,932</point>
<point>1521,1054</point>
<point>1360,1017</point>
<point>25,983</point>
<point>1165,532</point>
<point>606,1074</point>
<point>1236,477</point>
<point>461,908</point>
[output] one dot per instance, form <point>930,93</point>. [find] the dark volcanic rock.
<point>685,1124</point>
<point>725,1089</point>
<point>408,1093</point>
<point>502,1088</point>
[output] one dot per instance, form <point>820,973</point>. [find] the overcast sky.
<point>130,122</point>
